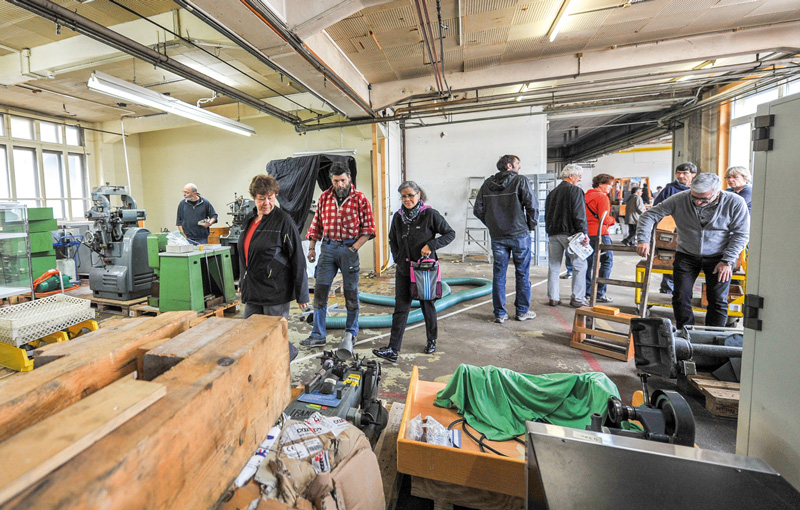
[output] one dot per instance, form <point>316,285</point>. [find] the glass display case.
<point>15,254</point>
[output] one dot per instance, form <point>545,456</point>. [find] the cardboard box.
<point>466,466</point>
<point>734,293</point>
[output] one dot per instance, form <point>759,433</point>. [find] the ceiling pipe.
<point>82,25</point>
<point>242,43</point>
<point>271,20</point>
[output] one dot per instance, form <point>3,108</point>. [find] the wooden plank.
<point>25,401</point>
<point>160,358</point>
<point>584,346</point>
<point>701,381</point>
<point>48,353</point>
<point>605,335</point>
<point>620,283</point>
<point>185,450</point>
<point>445,495</point>
<point>721,402</point>
<point>42,448</point>
<point>622,318</point>
<point>606,310</point>
<point>386,450</point>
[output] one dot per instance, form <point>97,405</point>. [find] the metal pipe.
<point>82,25</point>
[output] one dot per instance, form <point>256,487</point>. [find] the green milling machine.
<point>199,278</point>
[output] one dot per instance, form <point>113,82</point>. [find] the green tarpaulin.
<point>497,402</point>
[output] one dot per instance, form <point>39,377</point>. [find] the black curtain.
<point>297,177</point>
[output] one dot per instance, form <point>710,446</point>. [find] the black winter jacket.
<point>565,210</point>
<point>275,272</point>
<point>507,206</point>
<point>420,232</point>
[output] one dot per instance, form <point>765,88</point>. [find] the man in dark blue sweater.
<point>684,173</point>
<point>195,215</point>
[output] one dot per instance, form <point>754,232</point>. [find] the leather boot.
<point>431,347</point>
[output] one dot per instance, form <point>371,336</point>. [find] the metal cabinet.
<point>15,250</point>
<point>542,185</point>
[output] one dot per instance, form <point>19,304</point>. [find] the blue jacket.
<point>727,233</point>
<point>669,190</point>
<point>746,193</point>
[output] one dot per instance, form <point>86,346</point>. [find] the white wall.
<point>442,158</point>
<point>636,162</point>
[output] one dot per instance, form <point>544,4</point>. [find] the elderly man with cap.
<point>713,228</point>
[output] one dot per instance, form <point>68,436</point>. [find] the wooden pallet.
<point>722,398</point>
<point>124,307</point>
<point>143,310</point>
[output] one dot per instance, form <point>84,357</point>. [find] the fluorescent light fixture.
<point>560,17</point>
<point>101,82</point>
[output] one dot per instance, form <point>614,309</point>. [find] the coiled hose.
<point>482,287</point>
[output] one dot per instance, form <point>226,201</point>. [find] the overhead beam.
<point>628,59</point>
<point>316,62</point>
<point>308,17</point>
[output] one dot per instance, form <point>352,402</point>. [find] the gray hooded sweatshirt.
<point>726,233</point>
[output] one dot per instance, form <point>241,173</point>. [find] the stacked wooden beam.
<point>86,436</point>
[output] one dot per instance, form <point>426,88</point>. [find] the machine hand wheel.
<point>678,417</point>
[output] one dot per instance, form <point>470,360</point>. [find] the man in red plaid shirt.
<point>342,224</point>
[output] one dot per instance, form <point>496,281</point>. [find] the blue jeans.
<point>606,262</point>
<point>520,250</point>
<point>335,256</point>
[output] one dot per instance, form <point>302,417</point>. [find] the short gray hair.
<point>736,171</point>
<point>705,182</point>
<point>571,169</point>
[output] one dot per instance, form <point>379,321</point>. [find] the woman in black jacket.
<point>271,255</point>
<point>413,236</point>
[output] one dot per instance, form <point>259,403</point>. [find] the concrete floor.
<point>467,334</point>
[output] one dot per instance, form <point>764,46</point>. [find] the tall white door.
<point>769,410</point>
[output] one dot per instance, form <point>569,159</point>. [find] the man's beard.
<point>342,192</point>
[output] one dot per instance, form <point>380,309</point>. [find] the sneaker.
<point>554,302</point>
<point>566,276</point>
<point>430,347</point>
<point>604,299</point>
<point>386,353</point>
<point>578,303</point>
<point>313,341</point>
<point>530,314</point>
<point>501,319</point>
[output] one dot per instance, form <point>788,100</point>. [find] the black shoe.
<point>313,341</point>
<point>386,353</point>
<point>604,299</point>
<point>430,348</point>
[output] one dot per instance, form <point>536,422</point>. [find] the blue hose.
<point>482,287</point>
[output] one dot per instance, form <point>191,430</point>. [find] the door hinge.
<point>761,127</point>
<point>752,304</point>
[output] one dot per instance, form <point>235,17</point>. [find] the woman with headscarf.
<point>417,232</point>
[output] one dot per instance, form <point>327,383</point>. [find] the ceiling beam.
<point>618,62</point>
<point>308,17</point>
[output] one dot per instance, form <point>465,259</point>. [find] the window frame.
<point>65,151</point>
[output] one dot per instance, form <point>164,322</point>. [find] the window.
<point>742,113</point>
<point>54,185</point>
<point>5,175</point>
<point>26,176</point>
<point>50,132</point>
<point>43,164</point>
<point>74,136</point>
<point>78,186</point>
<point>22,128</point>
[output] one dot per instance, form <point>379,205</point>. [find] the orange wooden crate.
<point>466,466</point>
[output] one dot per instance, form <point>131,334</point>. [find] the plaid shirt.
<point>351,220</point>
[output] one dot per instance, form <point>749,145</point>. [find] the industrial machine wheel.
<point>678,417</point>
